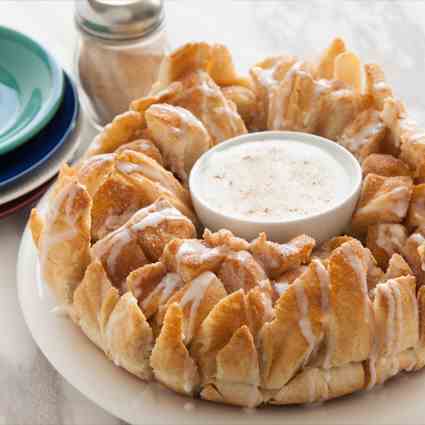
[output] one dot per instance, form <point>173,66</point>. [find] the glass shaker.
<point>120,47</point>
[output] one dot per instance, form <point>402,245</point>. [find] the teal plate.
<point>31,88</point>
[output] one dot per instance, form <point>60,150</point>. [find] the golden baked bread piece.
<point>141,239</point>
<point>397,266</point>
<point>364,135</point>
<point>145,147</point>
<point>239,270</point>
<point>122,195</point>
<point>277,258</point>
<point>171,362</point>
<point>225,238</point>
<point>231,325</point>
<point>237,375</point>
<point>416,214</point>
<point>406,136</point>
<point>62,236</point>
<point>180,136</point>
<point>246,102</point>
<point>266,75</point>
<point>382,200</point>
<point>339,108</point>
<point>191,257</point>
<point>316,385</point>
<point>292,100</point>
<point>120,253</point>
<point>115,324</point>
<point>94,171</point>
<point>384,240</point>
<point>129,162</point>
<point>152,285</point>
<point>348,69</point>
<point>123,129</point>
<point>337,63</point>
<point>299,321</point>
<point>376,85</point>
<point>196,299</point>
<point>350,334</point>
<point>299,102</point>
<point>414,253</point>
<point>215,59</point>
<point>93,302</point>
<point>157,225</point>
<point>385,165</point>
<point>281,284</point>
<point>198,93</point>
<point>396,316</point>
<point>325,67</point>
<point>324,251</point>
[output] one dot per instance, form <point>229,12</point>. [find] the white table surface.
<point>388,32</point>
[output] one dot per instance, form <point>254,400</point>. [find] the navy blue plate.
<point>44,144</point>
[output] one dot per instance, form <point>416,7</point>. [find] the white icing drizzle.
<point>190,247</point>
<point>355,141</point>
<point>399,314</point>
<point>281,287</point>
<point>325,284</point>
<point>288,249</point>
<point>414,306</point>
<point>268,307</point>
<point>304,322</point>
<point>194,295</point>
<point>401,201</point>
<point>390,237</point>
<point>418,238</point>
<point>359,269</point>
<point>193,248</point>
<point>147,217</point>
<point>167,286</point>
<point>154,218</point>
<point>266,76</point>
<point>381,86</point>
<point>281,96</point>
<point>324,280</point>
<point>390,336</point>
<point>121,240</point>
<point>49,237</point>
<point>127,167</point>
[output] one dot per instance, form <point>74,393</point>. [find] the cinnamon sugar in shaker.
<point>121,45</point>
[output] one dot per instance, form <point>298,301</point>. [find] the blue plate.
<point>43,145</point>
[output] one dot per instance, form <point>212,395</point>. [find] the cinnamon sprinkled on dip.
<point>273,180</point>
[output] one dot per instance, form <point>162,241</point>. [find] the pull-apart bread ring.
<point>218,317</point>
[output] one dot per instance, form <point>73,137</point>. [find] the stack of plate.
<point>39,120</point>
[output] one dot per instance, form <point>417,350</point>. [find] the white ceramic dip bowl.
<point>279,182</point>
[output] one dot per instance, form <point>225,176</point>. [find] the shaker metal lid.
<point>119,19</point>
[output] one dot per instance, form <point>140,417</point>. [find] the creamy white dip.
<point>272,180</point>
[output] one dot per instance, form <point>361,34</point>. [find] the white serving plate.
<point>87,369</point>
